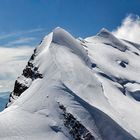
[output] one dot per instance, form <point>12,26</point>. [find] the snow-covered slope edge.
<point>66,92</point>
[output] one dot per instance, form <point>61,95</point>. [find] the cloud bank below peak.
<point>15,50</point>
<point>12,62</point>
<point>129,29</point>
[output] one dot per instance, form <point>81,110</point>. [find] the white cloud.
<point>19,33</point>
<point>12,62</point>
<point>14,59</point>
<point>20,41</point>
<point>129,29</point>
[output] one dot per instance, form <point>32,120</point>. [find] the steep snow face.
<point>119,74</point>
<point>76,89</point>
<point>63,38</point>
<point>109,39</point>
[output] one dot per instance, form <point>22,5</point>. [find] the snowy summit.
<point>76,89</point>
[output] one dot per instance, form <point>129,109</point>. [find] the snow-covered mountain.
<point>76,89</point>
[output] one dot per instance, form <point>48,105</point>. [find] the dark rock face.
<point>76,129</point>
<point>19,88</point>
<point>31,72</point>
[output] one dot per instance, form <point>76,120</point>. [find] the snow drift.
<point>82,89</point>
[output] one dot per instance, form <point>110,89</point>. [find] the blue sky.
<point>23,24</point>
<point>80,17</point>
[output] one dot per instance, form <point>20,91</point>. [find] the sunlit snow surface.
<point>96,80</point>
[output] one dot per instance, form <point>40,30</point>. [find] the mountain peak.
<point>104,33</point>
<point>68,91</point>
<point>57,28</point>
<point>60,35</point>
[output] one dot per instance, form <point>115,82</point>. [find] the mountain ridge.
<point>76,89</point>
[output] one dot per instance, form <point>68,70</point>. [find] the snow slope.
<point>82,89</point>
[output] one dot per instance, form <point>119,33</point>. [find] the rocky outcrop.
<point>30,73</point>
<point>76,129</point>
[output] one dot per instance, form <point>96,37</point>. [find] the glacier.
<point>76,89</point>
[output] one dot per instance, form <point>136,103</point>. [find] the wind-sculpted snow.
<point>63,38</point>
<point>76,90</point>
<point>107,38</point>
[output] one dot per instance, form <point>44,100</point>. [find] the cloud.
<point>12,62</point>
<point>19,33</point>
<point>15,50</point>
<point>129,29</point>
<point>20,41</point>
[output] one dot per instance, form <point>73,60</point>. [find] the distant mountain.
<point>76,89</point>
<point>4,97</point>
